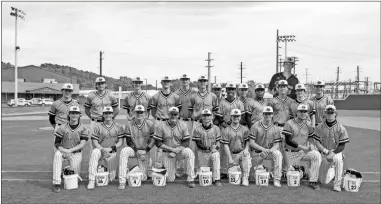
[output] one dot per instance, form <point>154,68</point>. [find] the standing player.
<point>265,142</point>
<point>300,135</point>
<point>254,111</point>
<point>331,138</point>
<point>236,145</point>
<point>137,97</point>
<point>139,137</point>
<point>302,99</point>
<point>216,89</point>
<point>70,138</point>
<point>207,137</point>
<point>320,101</point>
<point>247,102</point>
<point>106,138</point>
<point>173,138</point>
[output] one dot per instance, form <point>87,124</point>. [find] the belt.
<point>280,124</point>
<point>257,151</point>
<point>166,151</point>
<point>97,120</point>
<point>78,151</point>
<point>187,119</point>
<point>237,152</point>
<point>161,119</point>
<point>292,150</point>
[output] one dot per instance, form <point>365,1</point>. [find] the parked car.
<point>45,101</point>
<point>34,101</point>
<point>20,102</point>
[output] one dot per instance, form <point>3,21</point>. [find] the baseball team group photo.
<point>190,102</point>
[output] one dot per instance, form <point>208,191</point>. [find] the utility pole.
<point>350,86</point>
<point>215,79</point>
<point>209,74</point>
<point>280,64</point>
<point>17,13</point>
<point>366,83</point>
<point>277,49</point>
<point>295,60</point>
<point>241,70</point>
<point>358,79</point>
<point>100,62</point>
<point>307,75</point>
<point>337,82</point>
<point>156,84</point>
<point>285,39</point>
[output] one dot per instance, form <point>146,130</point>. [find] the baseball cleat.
<point>218,183</point>
<point>315,186</point>
<point>245,182</point>
<point>91,185</point>
<point>191,184</point>
<point>224,176</point>
<point>122,186</point>
<point>277,183</point>
<point>56,188</point>
<point>337,188</point>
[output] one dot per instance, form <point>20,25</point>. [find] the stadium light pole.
<point>285,39</point>
<point>17,13</point>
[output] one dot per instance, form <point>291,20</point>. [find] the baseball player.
<point>207,137</point>
<point>254,110</point>
<point>300,145</point>
<point>223,94</point>
<point>173,138</point>
<point>320,101</point>
<point>160,104</point>
<point>139,137</point>
<point>247,102</point>
<point>137,97</point>
<point>236,145</point>
<point>70,138</point>
<point>106,138</point>
<point>302,99</point>
<point>265,142</point>
<point>216,89</point>
<point>331,137</point>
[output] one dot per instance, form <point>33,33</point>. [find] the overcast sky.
<point>152,40</point>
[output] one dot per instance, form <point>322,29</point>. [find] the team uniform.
<point>173,137</point>
<point>254,110</point>
<point>236,140</point>
<point>141,135</point>
<point>248,102</point>
<point>199,102</point>
<point>60,109</point>
<point>296,103</point>
<point>282,109</point>
<point>132,100</point>
<point>106,137</point>
<point>330,138</point>
<point>69,138</point>
<point>300,133</point>
<point>320,104</point>
<point>266,137</point>
<point>208,137</point>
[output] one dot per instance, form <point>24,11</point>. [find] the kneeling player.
<point>299,135</point>
<point>173,138</point>
<point>107,138</point>
<point>71,137</point>
<point>332,137</point>
<point>265,140</point>
<point>207,137</point>
<point>236,145</point>
<point>139,139</point>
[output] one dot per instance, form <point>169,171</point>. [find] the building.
<point>34,82</point>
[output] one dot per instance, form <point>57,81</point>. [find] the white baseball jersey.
<point>331,137</point>
<point>298,132</point>
<point>185,100</point>
<point>208,137</point>
<point>140,134</point>
<point>265,136</point>
<point>296,103</point>
<point>255,109</point>
<point>108,136</point>
<point>172,136</point>
<point>282,108</point>
<point>235,138</point>
<point>225,107</point>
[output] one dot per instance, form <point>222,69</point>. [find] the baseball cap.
<point>74,109</point>
<point>184,76</point>
<point>282,82</point>
<point>165,78</point>
<point>235,112</point>
<point>206,112</point>
<point>319,83</point>
<point>289,60</point>
<point>300,87</point>
<point>259,86</point>
<point>67,86</point>
<point>230,86</point>
<point>303,107</point>
<point>139,108</point>
<point>108,109</point>
<point>243,86</point>
<point>216,86</point>
<point>100,79</point>
<point>330,108</point>
<point>202,78</point>
<point>268,109</point>
<point>137,79</point>
<point>173,110</point>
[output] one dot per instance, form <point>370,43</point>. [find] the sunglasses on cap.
<point>243,89</point>
<point>100,83</point>
<point>67,90</point>
<point>235,116</point>
<point>330,111</point>
<point>139,112</point>
<point>259,89</point>
<point>138,82</point>
<point>216,88</point>
<point>206,115</point>
<point>267,113</point>
<point>303,111</point>
<point>319,86</point>
<point>282,86</point>
<point>173,114</point>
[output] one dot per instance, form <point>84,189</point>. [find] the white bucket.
<point>205,178</point>
<point>293,178</point>
<point>101,178</point>
<point>235,177</point>
<point>262,177</point>
<point>135,179</point>
<point>159,179</point>
<point>351,184</point>
<point>71,181</point>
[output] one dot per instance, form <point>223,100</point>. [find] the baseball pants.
<point>74,160</point>
<point>285,160</point>
<point>244,160</point>
<point>111,164</point>
<point>276,158</point>
<point>338,163</point>
<point>125,155</point>
<point>313,157</point>
<point>180,164</point>
<point>170,164</point>
<point>210,159</point>
<point>223,158</point>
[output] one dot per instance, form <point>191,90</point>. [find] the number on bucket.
<point>158,180</point>
<point>295,181</point>
<point>134,181</point>
<point>263,181</point>
<point>206,181</point>
<point>232,179</point>
<point>353,187</point>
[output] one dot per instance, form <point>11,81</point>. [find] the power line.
<point>241,68</point>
